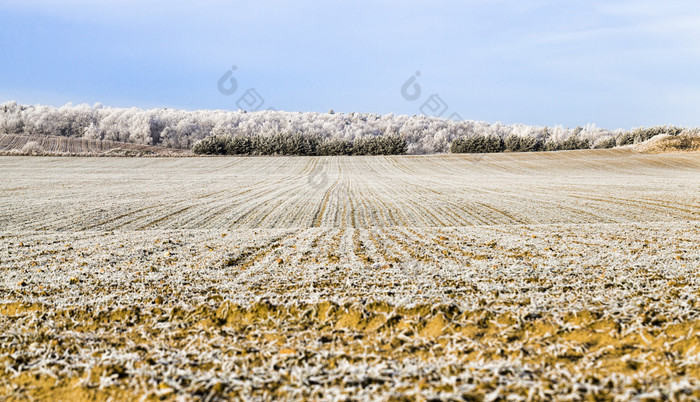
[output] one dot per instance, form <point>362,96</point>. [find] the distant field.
<point>12,144</point>
<point>568,274</point>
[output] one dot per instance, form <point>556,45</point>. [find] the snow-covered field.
<point>538,275</point>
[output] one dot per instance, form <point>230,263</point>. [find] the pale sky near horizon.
<point>616,64</point>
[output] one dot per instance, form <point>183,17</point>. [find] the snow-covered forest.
<point>182,129</point>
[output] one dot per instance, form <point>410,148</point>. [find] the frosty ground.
<point>522,276</point>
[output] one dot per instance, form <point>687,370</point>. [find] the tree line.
<point>299,144</point>
<point>480,143</point>
<point>309,132</point>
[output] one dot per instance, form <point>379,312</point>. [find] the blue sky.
<point>546,62</point>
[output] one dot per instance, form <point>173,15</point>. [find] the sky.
<point>616,64</point>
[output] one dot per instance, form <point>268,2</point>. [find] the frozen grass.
<point>564,276</point>
<point>667,143</point>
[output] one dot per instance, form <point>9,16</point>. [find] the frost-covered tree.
<point>11,121</point>
<point>92,132</point>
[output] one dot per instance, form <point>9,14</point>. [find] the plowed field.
<point>562,275</point>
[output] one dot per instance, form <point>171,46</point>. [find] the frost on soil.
<point>512,277</point>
